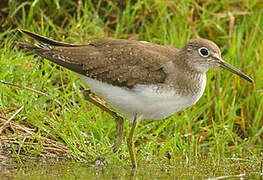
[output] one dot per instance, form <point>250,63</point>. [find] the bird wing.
<point>118,62</point>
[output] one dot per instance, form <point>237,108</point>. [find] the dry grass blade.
<point>231,25</point>
<point>2,117</point>
<point>47,144</point>
<point>12,117</point>
<point>228,177</point>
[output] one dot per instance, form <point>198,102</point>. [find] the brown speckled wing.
<point>123,63</point>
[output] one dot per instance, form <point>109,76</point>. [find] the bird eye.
<point>204,52</point>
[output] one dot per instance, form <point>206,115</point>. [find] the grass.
<point>225,123</point>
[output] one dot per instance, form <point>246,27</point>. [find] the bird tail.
<point>54,51</point>
<point>43,40</point>
<point>26,46</point>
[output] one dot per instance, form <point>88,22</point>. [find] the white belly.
<point>143,100</point>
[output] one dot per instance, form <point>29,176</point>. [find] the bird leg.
<point>120,127</point>
<point>119,119</point>
<point>131,144</point>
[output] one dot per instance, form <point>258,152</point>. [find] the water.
<point>51,169</point>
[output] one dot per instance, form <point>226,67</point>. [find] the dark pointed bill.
<point>232,69</point>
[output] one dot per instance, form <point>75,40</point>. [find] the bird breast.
<point>144,101</point>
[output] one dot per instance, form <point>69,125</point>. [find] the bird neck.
<point>186,80</point>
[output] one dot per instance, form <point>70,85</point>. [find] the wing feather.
<point>118,62</point>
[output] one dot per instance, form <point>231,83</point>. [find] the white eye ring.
<point>204,52</point>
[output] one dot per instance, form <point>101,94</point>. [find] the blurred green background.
<point>226,122</point>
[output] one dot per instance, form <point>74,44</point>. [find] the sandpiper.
<point>140,79</point>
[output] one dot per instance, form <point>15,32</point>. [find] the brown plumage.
<point>124,63</point>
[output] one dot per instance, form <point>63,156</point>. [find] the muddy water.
<point>228,169</point>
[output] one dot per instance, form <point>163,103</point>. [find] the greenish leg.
<point>119,119</point>
<point>131,144</point>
